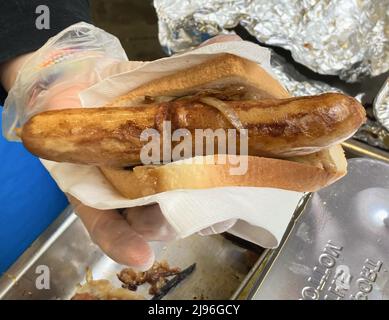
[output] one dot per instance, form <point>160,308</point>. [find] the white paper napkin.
<point>263,213</point>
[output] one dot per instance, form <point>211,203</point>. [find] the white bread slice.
<point>219,72</point>
<point>309,174</point>
<point>304,173</point>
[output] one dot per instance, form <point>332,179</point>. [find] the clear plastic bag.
<point>73,60</point>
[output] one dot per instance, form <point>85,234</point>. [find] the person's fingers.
<point>218,227</point>
<point>9,69</point>
<point>221,38</point>
<point>64,97</point>
<point>111,232</point>
<point>149,222</point>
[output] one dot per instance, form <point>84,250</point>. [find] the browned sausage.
<point>110,136</point>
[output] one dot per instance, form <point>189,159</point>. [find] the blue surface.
<point>29,200</point>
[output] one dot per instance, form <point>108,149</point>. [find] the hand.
<point>52,78</point>
<point>75,59</point>
<point>123,236</point>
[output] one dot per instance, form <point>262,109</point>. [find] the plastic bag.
<point>76,57</point>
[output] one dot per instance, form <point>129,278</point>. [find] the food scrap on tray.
<point>161,278</point>
<point>102,290</point>
<point>156,276</point>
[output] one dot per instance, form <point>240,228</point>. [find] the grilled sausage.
<point>111,136</point>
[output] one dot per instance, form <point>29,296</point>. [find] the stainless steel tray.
<point>355,148</point>
<point>294,270</point>
<point>66,251</point>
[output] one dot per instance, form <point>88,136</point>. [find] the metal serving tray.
<point>66,251</point>
<point>337,247</point>
<point>225,269</point>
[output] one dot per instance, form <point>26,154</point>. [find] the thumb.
<point>149,222</point>
<point>111,232</point>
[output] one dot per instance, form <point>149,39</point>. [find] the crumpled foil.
<point>348,38</point>
<point>295,82</point>
<point>373,134</point>
<point>381,105</point>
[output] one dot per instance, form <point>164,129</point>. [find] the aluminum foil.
<point>295,82</point>
<point>349,38</point>
<point>381,105</point>
<point>373,134</point>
